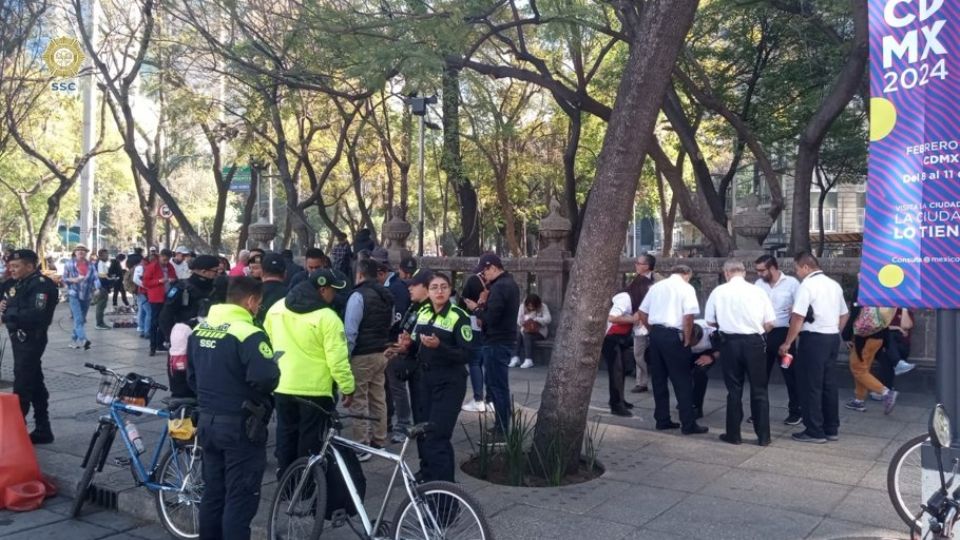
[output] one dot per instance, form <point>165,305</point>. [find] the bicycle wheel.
<point>179,511</point>
<point>298,507</point>
<point>97,454</point>
<point>904,479</point>
<point>448,512</point>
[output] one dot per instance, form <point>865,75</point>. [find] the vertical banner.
<point>911,249</point>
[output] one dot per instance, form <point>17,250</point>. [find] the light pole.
<point>418,107</point>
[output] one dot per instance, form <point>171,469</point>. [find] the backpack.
<point>872,320</point>
<point>338,497</point>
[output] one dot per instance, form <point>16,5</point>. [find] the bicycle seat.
<point>175,403</point>
<point>417,430</point>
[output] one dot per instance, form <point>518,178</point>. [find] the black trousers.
<point>817,382</point>
<point>443,392</point>
<point>232,472</point>
<point>417,396</point>
<point>28,377</point>
<point>668,359</point>
<point>300,427</point>
<point>743,356</point>
<point>775,339</point>
<point>895,347</point>
<point>616,352</point>
<point>700,376</point>
<point>118,289</point>
<point>156,336</point>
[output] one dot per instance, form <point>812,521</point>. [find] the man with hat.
<point>82,282</point>
<point>309,339</point>
<point>496,312</point>
<point>27,302</point>
<point>181,262</point>
<point>273,268</point>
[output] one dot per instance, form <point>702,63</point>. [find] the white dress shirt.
<point>826,297</point>
<point>781,295</point>
<point>704,343</point>
<point>737,307</point>
<point>668,301</point>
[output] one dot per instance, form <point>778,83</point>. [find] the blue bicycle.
<point>175,475</point>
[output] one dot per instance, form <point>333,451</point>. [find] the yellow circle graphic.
<point>891,276</point>
<point>883,118</point>
<point>64,57</point>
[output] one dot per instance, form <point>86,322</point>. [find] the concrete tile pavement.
<point>657,484</point>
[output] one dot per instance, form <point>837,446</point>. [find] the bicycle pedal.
<point>121,461</point>
<point>338,519</point>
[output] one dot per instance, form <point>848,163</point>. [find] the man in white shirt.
<point>667,311</point>
<point>743,314</point>
<point>181,263</point>
<point>106,285</point>
<point>644,265</point>
<point>819,312</point>
<point>781,289</point>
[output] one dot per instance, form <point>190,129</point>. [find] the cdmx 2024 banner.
<point>911,250</point>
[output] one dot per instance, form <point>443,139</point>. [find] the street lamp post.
<point>418,107</point>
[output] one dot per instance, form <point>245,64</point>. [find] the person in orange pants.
<point>863,351</point>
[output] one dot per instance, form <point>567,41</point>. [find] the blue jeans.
<point>78,309</point>
<point>143,314</point>
<point>476,373</point>
<point>496,359</point>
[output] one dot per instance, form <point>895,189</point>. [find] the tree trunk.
<point>452,164</point>
<point>844,88</point>
<point>249,208</point>
<point>667,217</point>
<point>570,176</point>
<point>506,207</point>
<point>659,31</point>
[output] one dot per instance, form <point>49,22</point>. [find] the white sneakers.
<point>475,406</point>
<point>903,367</point>
<point>515,362</point>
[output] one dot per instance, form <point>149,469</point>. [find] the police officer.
<point>27,303</point>
<point>743,314</point>
<point>444,343</point>
<point>232,370</point>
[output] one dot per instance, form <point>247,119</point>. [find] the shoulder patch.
<point>466,332</point>
<point>41,301</point>
<point>265,350</point>
<point>172,292</point>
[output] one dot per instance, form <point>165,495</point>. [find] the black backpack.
<point>338,498</point>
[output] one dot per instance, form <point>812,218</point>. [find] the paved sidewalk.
<point>657,485</point>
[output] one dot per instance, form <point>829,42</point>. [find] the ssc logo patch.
<point>265,350</point>
<point>466,332</point>
<point>41,301</point>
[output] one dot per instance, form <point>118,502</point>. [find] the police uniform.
<point>232,370</point>
<point>31,302</point>
<point>443,380</point>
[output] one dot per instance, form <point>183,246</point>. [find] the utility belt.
<point>21,335</point>
<point>718,338</point>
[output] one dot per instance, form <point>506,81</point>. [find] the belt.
<point>664,327</point>
<point>741,336</point>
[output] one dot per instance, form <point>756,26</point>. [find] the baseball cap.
<point>274,263</point>
<point>487,259</point>
<point>204,262</point>
<point>422,277</point>
<point>327,278</point>
<point>408,264</point>
<point>381,256</point>
<point>153,249</point>
<point>182,250</point>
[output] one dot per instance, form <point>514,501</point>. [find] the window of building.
<point>829,212</point>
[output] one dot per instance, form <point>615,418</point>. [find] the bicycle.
<point>943,506</point>
<point>431,510</point>
<point>175,476</point>
<point>904,479</point>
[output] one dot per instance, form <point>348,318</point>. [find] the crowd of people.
<point>397,343</point>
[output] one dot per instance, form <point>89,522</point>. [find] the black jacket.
<point>373,335</point>
<point>499,316</point>
<point>273,292</point>
<point>31,302</point>
<point>186,300</point>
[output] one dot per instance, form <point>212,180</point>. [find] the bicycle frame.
<point>331,442</point>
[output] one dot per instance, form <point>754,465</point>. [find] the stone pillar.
<point>552,260</point>
<point>395,233</point>
<point>751,224</point>
<point>262,232</point>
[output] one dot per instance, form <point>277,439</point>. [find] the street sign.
<point>165,212</point>
<point>241,178</point>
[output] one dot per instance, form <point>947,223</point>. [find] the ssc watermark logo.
<point>64,57</point>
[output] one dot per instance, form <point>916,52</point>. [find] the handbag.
<point>531,326</point>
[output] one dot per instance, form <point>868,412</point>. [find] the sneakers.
<point>890,401</point>
<point>804,438</point>
<point>515,361</point>
<point>475,406</point>
<point>793,420</point>
<point>364,457</point>
<point>876,397</point>
<point>856,405</point>
<point>75,345</point>
<point>903,367</point>
<point>527,364</point>
<point>39,436</point>
<point>639,389</point>
<point>102,327</point>
<point>397,437</point>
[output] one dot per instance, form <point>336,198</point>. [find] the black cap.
<point>27,255</point>
<point>382,257</point>
<point>422,277</point>
<point>408,264</point>
<point>204,262</point>
<point>274,264</point>
<point>327,278</point>
<point>488,259</point>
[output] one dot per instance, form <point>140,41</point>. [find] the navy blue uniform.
<point>231,364</point>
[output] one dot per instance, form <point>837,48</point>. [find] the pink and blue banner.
<point>911,250</point>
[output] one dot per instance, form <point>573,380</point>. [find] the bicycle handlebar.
<point>334,413</point>
<point>104,369</point>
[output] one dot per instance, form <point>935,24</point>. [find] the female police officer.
<point>445,343</point>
